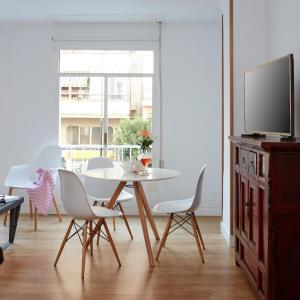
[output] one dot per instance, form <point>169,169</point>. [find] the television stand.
<point>253,135</point>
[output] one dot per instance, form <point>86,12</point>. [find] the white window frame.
<point>112,46</point>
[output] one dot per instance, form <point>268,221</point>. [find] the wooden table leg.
<point>110,205</point>
<point>1,256</point>
<point>148,211</point>
<point>140,205</point>
<point>13,222</point>
<point>116,194</point>
<point>6,214</point>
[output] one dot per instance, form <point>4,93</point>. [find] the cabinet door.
<point>252,207</point>
<point>237,203</point>
<point>244,211</point>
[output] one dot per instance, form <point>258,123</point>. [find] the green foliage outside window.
<point>127,133</point>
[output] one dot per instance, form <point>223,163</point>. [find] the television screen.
<point>269,98</point>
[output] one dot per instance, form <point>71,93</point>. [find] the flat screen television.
<point>269,98</point>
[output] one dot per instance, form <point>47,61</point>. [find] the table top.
<point>118,174</point>
<point>11,202</point>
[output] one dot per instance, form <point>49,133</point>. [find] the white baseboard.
<point>133,211</point>
<point>226,234</point>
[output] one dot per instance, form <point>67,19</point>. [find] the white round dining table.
<point>123,177</point>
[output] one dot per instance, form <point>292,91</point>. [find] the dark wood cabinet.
<point>267,215</point>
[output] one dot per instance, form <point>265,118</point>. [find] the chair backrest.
<point>198,195</point>
<point>99,188</point>
<point>48,158</point>
<point>73,196</point>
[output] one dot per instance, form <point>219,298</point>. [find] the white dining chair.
<point>76,204</point>
<point>182,213</point>
<point>22,176</point>
<point>100,191</point>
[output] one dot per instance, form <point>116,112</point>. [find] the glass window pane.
<point>129,109</point>
<point>96,135</point>
<point>105,61</point>
<point>84,135</point>
<point>72,135</point>
<point>81,104</point>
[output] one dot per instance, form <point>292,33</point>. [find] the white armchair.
<point>22,176</point>
<point>181,212</point>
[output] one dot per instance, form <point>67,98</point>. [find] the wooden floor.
<point>28,271</point>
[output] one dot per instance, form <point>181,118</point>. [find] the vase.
<point>145,159</point>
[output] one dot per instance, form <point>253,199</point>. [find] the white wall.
<point>249,50</point>
<point>29,115</point>
<point>283,29</point>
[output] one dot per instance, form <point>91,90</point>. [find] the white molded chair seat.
<point>123,197</point>
<point>103,212</point>
<point>76,204</point>
<point>23,176</point>
<point>174,206</point>
<point>185,206</point>
<point>19,177</point>
<point>100,191</point>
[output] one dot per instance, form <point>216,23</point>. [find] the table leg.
<point>148,211</point>
<point>1,256</point>
<point>6,214</point>
<point>110,205</point>
<point>13,222</point>
<point>116,194</point>
<point>140,205</point>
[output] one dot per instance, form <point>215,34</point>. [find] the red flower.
<point>144,133</point>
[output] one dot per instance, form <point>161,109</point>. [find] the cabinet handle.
<point>248,204</point>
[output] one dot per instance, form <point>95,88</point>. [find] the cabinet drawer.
<point>252,167</point>
<point>244,159</point>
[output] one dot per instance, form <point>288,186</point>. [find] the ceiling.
<point>110,10</point>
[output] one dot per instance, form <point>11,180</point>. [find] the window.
<point>85,135</point>
<point>96,135</point>
<point>105,99</point>
<point>72,135</point>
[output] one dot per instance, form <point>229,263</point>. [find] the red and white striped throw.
<point>40,193</point>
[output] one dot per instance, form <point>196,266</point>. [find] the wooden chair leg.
<point>125,219</point>
<point>84,240</point>
<point>6,214</point>
<point>112,243</point>
<point>163,241</point>
<point>63,242</point>
<point>35,218</point>
<point>99,231</point>
<point>198,229</point>
<point>98,236</point>
<point>91,231</point>
<point>114,223</point>
<point>197,238</point>
<point>30,209</point>
<point>56,208</point>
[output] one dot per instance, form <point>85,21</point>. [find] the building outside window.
<point>105,98</point>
